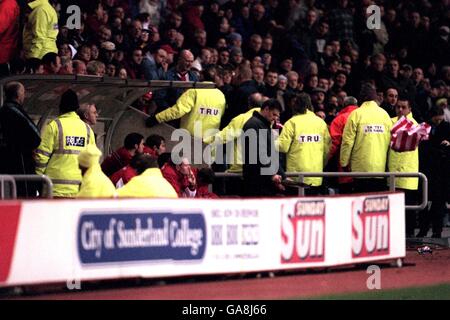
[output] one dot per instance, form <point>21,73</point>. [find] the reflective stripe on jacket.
<point>57,155</point>
<point>404,162</point>
<point>306,141</point>
<point>41,30</point>
<point>366,138</point>
<point>197,107</point>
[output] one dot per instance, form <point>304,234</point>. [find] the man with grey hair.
<point>88,113</point>
<point>19,136</point>
<point>336,130</point>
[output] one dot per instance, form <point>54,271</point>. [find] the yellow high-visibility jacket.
<point>366,138</point>
<point>41,30</point>
<point>197,107</point>
<point>57,156</point>
<point>95,184</point>
<point>231,133</point>
<point>404,162</point>
<point>149,184</point>
<point>306,141</point>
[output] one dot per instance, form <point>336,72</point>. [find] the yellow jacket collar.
<point>70,114</point>
<point>152,172</point>
<point>370,104</point>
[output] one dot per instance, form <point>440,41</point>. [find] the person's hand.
<point>445,143</point>
<point>191,179</point>
<point>165,66</point>
<point>346,169</point>
<point>277,179</point>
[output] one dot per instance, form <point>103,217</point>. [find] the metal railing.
<point>47,191</point>
<point>390,175</point>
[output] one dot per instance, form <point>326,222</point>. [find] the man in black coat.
<point>19,136</point>
<point>262,172</point>
<point>434,160</point>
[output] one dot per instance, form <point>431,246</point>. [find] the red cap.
<point>167,48</point>
<point>148,96</point>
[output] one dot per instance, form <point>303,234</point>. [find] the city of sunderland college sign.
<point>104,238</point>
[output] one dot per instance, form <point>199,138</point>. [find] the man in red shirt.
<point>336,130</point>
<point>185,180</point>
<point>9,33</point>
<point>133,143</point>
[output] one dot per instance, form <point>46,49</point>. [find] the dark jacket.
<point>434,161</point>
<point>19,136</point>
<point>238,101</point>
<point>258,148</point>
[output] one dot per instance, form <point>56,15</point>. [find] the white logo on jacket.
<point>304,138</point>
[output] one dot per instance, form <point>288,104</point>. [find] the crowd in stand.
<point>276,64</point>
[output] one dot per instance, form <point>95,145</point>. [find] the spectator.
<point>254,47</point>
<point>9,34</point>
<point>181,72</point>
<point>133,144</point>
<point>443,104</point>
<point>365,141</point>
<point>52,63</point>
<point>62,141</point>
<point>66,66</point>
<point>19,137</point>
<point>155,65</point>
<point>393,79</point>
<point>390,101</point>
<point>203,60</point>
<point>107,52</point>
<point>41,30</point>
<point>341,21</point>
<point>149,183</point>
<point>134,67</point>
<point>270,81</point>
<point>306,141</point>
<point>79,67</point>
<point>96,68</point>
<point>94,183</point>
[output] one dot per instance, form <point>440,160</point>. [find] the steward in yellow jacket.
<point>231,133</point>
<point>41,30</point>
<point>62,141</point>
<point>306,141</point>
<point>366,138</point>
<point>150,182</point>
<point>203,108</point>
<point>200,111</point>
<point>95,184</point>
<point>404,161</point>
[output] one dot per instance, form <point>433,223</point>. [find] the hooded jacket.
<point>41,30</point>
